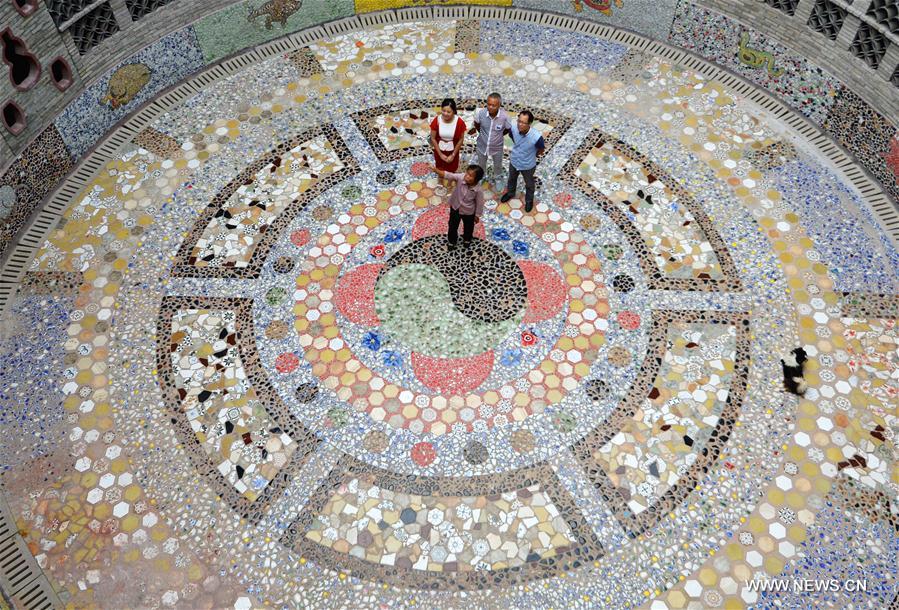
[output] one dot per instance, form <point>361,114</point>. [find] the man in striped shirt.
<point>491,124</point>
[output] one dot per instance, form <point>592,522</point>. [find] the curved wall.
<point>122,53</point>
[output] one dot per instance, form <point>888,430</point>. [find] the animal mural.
<point>125,83</point>
<point>754,58</point>
<point>275,10</point>
<point>603,6</point>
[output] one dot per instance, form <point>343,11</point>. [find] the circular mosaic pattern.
<point>582,409</point>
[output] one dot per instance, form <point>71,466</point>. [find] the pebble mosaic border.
<point>730,281</point>
<point>305,439</point>
<point>643,385</point>
<point>586,550</point>
<point>365,120</point>
<point>185,267</point>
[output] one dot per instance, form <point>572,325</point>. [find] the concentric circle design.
<point>278,382</point>
<point>451,353</point>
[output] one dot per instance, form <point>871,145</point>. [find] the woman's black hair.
<point>449,102</point>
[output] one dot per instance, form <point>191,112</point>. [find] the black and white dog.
<point>793,366</point>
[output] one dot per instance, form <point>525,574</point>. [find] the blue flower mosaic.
<point>511,356</point>
<point>394,235</point>
<point>500,234</point>
<point>521,248</point>
<point>372,341</point>
<point>392,359</point>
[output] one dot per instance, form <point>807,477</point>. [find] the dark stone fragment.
<point>408,516</point>
<point>623,283</point>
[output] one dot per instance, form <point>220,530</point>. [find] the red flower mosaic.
<point>563,200</point>
<point>420,169</point>
<point>355,295</point>
<point>435,221</point>
<point>452,375</point>
<point>287,362</point>
<point>423,453</point>
<point>377,251</point>
<point>628,320</point>
<point>546,293</point>
<point>300,237</point>
<point>528,338</point>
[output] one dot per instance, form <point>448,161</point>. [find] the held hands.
<point>477,219</point>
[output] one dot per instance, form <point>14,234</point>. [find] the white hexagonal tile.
<point>802,439</point>
<point>777,530</point>
<point>693,588</point>
<point>435,516</point>
<point>125,479</point>
<point>120,509</point>
<point>824,423</point>
<point>843,386</point>
<point>728,585</point>
<point>149,520</point>
<point>113,451</point>
<point>94,495</point>
<point>83,463</point>
<point>754,558</point>
<point>107,480</point>
<point>786,548</point>
<point>783,482</point>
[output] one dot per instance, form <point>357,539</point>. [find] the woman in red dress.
<point>447,133</point>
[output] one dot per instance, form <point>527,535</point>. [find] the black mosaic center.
<point>485,283</point>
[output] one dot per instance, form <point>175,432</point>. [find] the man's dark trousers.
<point>529,182</point>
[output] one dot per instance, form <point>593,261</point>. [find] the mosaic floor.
<point>244,370</point>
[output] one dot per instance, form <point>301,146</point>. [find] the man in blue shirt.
<point>527,146</point>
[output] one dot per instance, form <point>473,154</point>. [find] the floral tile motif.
<point>234,233</point>
<point>677,244</point>
<point>679,412</point>
<point>397,131</point>
<point>238,434</point>
<point>443,532</point>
